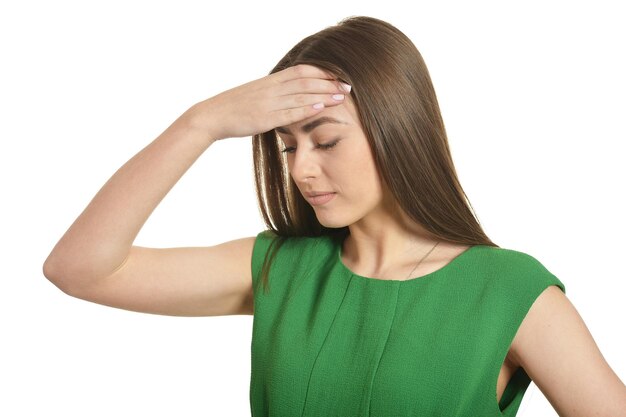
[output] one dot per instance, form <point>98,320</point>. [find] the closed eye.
<point>329,145</point>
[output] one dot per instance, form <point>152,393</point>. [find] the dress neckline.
<point>422,278</point>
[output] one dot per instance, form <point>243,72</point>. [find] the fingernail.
<point>318,106</point>
<point>338,96</point>
<point>346,87</point>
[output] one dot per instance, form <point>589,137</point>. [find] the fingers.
<point>309,100</point>
<point>305,78</point>
<point>302,71</point>
<point>313,86</point>
<point>288,116</point>
<point>302,91</point>
<point>311,105</point>
<point>309,89</point>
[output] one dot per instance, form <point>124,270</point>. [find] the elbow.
<point>76,273</point>
<point>50,271</point>
<point>57,274</point>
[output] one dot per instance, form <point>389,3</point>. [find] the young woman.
<point>374,290</point>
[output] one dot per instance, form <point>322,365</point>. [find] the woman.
<point>374,290</point>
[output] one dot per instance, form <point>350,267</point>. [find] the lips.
<point>319,198</point>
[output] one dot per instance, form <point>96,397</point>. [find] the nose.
<point>303,164</point>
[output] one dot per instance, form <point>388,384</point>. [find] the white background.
<point>532,95</point>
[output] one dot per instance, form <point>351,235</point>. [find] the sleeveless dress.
<point>327,342</point>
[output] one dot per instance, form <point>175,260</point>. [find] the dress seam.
<point>395,310</point>
<point>308,385</point>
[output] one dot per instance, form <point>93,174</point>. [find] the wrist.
<point>200,117</point>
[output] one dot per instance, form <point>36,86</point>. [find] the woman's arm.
<point>558,353</point>
<point>95,259</point>
<point>99,240</point>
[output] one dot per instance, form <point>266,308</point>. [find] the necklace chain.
<point>420,261</point>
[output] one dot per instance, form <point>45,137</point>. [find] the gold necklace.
<point>420,261</point>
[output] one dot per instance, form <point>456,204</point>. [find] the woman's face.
<point>329,153</point>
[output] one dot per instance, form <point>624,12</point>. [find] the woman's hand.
<point>278,99</point>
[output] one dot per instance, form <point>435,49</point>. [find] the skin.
<point>95,259</point>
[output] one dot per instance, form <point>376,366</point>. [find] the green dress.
<point>327,342</point>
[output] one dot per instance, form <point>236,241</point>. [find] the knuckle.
<point>289,116</point>
<point>300,69</point>
<point>306,84</point>
<point>299,99</point>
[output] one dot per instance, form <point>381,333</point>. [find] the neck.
<point>387,245</point>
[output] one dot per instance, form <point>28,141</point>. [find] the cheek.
<point>365,165</point>
<point>358,172</point>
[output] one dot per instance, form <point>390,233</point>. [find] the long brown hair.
<point>399,112</point>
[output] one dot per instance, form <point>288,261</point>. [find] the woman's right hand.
<point>278,99</point>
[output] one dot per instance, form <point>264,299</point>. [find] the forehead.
<point>341,115</point>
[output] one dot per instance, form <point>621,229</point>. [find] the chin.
<point>332,222</point>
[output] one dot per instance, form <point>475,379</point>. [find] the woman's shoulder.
<point>290,254</point>
<point>498,255</point>
<point>291,243</point>
<point>269,234</point>
<point>513,265</point>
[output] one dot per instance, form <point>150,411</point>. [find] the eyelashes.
<point>329,145</point>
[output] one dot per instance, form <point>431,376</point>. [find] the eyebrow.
<point>308,128</point>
